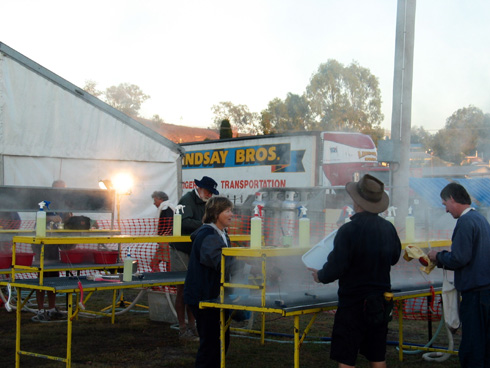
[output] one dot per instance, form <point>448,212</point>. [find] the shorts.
<point>351,335</point>
<point>178,260</point>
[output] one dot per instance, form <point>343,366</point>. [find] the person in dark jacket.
<point>165,212</point>
<point>193,204</point>
<point>202,281</point>
<point>364,251</point>
<point>165,226</point>
<point>470,259</point>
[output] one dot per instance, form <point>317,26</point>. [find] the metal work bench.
<point>70,285</point>
<point>305,302</point>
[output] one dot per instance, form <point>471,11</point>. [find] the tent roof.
<point>85,96</point>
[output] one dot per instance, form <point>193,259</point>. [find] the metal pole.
<point>402,104</point>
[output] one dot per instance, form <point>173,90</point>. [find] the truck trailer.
<point>283,172</point>
<point>246,165</point>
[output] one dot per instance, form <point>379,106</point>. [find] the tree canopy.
<point>288,115</point>
<point>337,98</point>
<point>238,115</point>
<point>344,98</point>
<point>125,97</point>
<point>225,130</point>
<point>467,131</point>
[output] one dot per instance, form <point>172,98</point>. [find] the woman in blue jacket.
<point>202,281</point>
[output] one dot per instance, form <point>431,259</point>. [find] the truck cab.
<point>349,156</point>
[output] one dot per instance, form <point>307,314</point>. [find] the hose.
<point>438,356</point>
<point>435,356</point>
<point>7,304</point>
<point>413,352</point>
<point>10,300</point>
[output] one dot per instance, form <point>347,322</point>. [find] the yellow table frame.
<point>263,254</point>
<point>73,289</point>
<point>73,309</point>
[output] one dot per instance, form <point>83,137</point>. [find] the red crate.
<point>24,259</point>
<point>105,257</point>
<point>5,260</point>
<point>77,256</point>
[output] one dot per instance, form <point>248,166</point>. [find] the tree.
<point>337,98</point>
<point>126,98</point>
<point>157,119</point>
<point>91,87</point>
<point>419,135</point>
<point>225,130</point>
<point>466,131</point>
<point>239,115</point>
<point>344,98</point>
<point>273,117</point>
<point>286,116</point>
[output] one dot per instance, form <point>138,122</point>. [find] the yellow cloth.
<point>414,252</point>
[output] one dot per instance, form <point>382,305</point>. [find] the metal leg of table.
<point>17,328</point>
<point>296,341</point>
<point>113,314</point>
<point>69,329</point>
<point>222,338</point>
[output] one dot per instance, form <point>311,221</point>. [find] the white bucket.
<point>159,309</point>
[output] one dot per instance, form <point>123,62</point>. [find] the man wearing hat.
<point>194,203</point>
<point>364,251</point>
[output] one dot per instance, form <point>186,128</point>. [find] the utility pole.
<point>402,106</point>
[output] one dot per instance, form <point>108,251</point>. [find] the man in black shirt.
<point>364,251</point>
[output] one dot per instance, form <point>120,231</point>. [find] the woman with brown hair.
<point>203,277</point>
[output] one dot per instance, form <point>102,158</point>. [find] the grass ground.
<point>136,341</point>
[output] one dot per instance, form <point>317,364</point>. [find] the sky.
<point>190,55</point>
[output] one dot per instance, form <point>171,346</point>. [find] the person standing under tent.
<point>165,225</point>
<point>51,253</point>
<point>470,259</point>
<point>193,212</point>
<point>364,250</point>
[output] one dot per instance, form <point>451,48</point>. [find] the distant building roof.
<point>180,134</point>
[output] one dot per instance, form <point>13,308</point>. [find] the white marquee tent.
<point>50,129</point>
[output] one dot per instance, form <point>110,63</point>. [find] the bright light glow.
<point>123,182</point>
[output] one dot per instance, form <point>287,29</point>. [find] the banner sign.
<point>278,156</point>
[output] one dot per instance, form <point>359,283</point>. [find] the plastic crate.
<point>76,256</point>
<point>5,260</point>
<point>24,259</point>
<point>106,257</point>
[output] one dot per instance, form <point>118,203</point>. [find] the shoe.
<point>187,335</point>
<point>54,314</point>
<point>193,330</point>
<point>41,316</point>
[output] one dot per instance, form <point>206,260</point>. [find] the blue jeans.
<point>474,350</point>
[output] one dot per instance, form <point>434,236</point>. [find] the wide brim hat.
<point>207,183</point>
<point>369,193</point>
